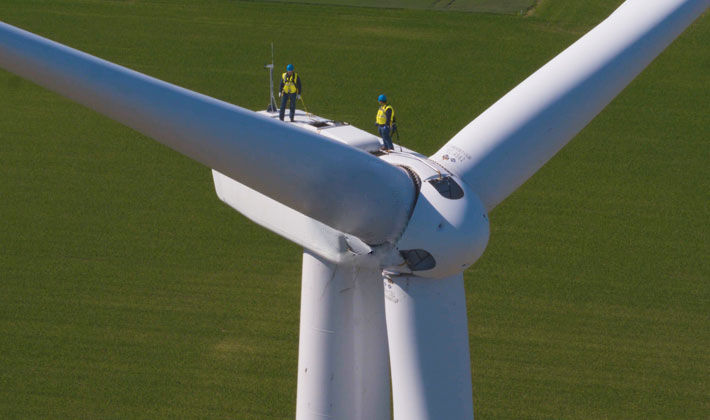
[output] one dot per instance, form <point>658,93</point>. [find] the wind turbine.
<point>386,236</point>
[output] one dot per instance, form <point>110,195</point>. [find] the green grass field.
<point>480,6</point>
<point>128,290</point>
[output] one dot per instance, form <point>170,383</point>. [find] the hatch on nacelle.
<point>337,130</point>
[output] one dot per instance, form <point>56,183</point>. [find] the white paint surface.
<point>509,142</point>
<point>427,331</point>
<point>339,185</point>
<point>343,364</point>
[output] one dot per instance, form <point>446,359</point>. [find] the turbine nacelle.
<point>448,229</point>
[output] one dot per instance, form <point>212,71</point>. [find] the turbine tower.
<point>386,235</point>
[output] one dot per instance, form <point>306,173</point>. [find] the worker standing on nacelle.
<point>385,122</point>
<point>289,90</point>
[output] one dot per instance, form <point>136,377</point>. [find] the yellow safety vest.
<point>289,82</point>
<point>381,118</point>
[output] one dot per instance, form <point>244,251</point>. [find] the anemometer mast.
<point>272,101</point>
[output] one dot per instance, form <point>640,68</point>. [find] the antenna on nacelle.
<point>272,102</point>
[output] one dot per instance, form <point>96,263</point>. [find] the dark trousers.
<point>386,136</point>
<point>288,97</point>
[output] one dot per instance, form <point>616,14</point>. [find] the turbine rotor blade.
<point>338,185</point>
<point>511,140</point>
<point>427,332</point>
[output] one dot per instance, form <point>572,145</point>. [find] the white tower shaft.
<point>343,362</point>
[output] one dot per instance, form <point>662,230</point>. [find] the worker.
<point>289,90</point>
<point>385,122</point>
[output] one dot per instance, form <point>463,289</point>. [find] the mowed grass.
<point>480,6</point>
<point>127,290</point>
<point>574,14</point>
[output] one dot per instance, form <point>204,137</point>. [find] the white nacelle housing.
<point>446,233</point>
<point>448,230</point>
<point>336,130</point>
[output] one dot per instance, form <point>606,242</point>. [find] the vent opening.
<point>447,187</point>
<point>418,259</point>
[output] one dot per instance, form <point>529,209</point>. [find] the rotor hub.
<point>448,228</point>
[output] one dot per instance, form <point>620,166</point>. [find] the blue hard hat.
<point>289,67</point>
<point>382,98</point>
